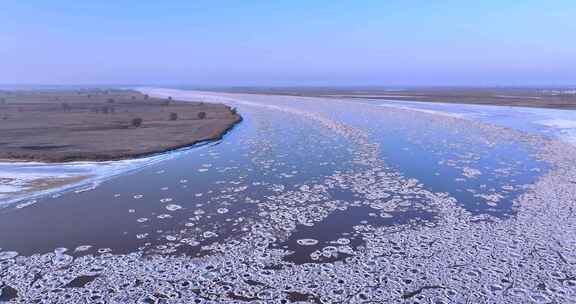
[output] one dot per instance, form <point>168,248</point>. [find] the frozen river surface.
<point>308,200</point>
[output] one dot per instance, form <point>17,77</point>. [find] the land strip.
<point>100,125</point>
<point>554,98</point>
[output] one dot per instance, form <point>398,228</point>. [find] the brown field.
<point>66,125</point>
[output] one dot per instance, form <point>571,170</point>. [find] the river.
<point>309,199</point>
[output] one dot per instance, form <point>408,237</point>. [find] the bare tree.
<point>136,122</point>
<point>66,107</point>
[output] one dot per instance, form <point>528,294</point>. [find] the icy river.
<point>308,199</point>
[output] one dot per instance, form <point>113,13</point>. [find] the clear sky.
<point>279,43</point>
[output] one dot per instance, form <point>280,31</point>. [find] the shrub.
<point>66,107</point>
<point>3,100</point>
<point>234,111</point>
<point>137,122</point>
<point>201,115</point>
<point>146,96</point>
<point>173,116</point>
<point>111,100</point>
<point>167,101</point>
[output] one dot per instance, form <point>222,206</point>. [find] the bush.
<point>3,100</point>
<point>111,100</point>
<point>137,122</point>
<point>66,107</point>
<point>173,116</point>
<point>201,115</point>
<point>146,96</point>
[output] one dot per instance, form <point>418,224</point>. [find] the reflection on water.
<point>310,199</point>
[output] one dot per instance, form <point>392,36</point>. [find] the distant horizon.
<point>200,87</point>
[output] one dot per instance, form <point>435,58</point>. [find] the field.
<point>59,126</point>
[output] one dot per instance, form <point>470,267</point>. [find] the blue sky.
<point>283,43</point>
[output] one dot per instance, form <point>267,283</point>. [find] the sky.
<point>288,43</point>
